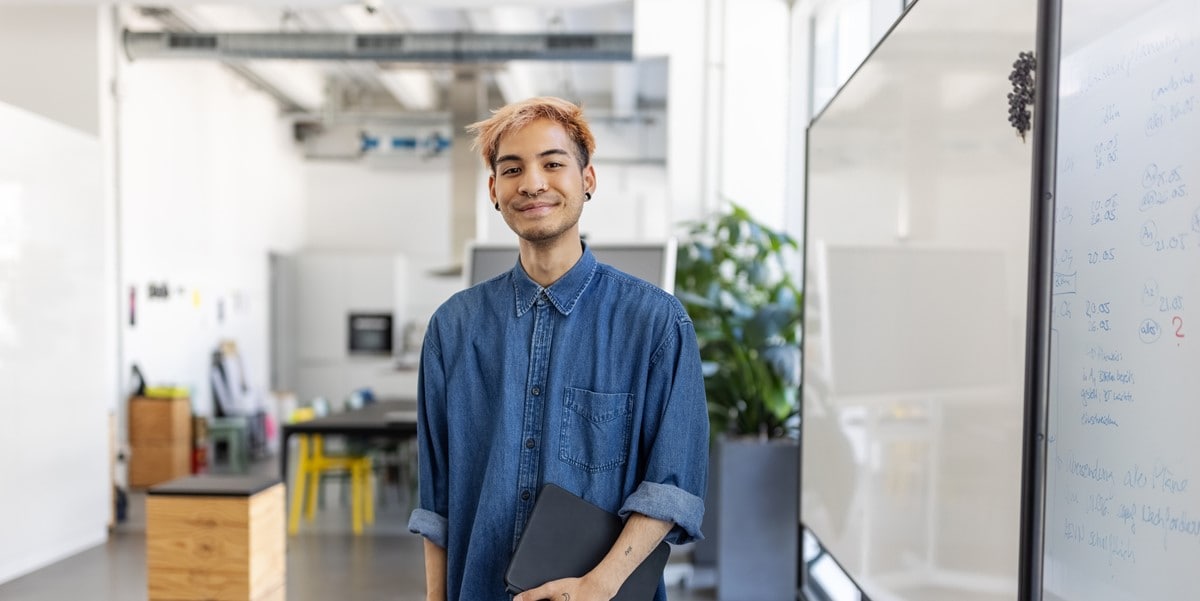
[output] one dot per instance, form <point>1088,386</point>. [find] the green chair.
<point>230,432</point>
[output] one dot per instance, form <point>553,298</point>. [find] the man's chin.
<point>541,235</point>
<point>538,236</point>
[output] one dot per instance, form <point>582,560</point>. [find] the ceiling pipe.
<point>172,20</point>
<point>453,47</point>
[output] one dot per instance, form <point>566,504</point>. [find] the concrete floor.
<point>324,561</point>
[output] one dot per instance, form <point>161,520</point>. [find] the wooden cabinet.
<point>160,440</point>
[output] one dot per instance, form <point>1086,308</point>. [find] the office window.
<point>843,34</point>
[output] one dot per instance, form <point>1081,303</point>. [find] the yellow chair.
<point>313,464</point>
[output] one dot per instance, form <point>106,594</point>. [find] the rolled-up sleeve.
<point>676,452</point>
<point>430,518</point>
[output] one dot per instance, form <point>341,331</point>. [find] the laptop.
<point>566,537</point>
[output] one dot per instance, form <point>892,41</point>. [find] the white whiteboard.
<point>1123,467</point>
<point>916,270</point>
<point>880,300</point>
<point>57,337</point>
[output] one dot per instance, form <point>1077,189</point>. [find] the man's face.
<point>538,182</point>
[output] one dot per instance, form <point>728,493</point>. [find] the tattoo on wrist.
<point>566,596</point>
<point>628,550</point>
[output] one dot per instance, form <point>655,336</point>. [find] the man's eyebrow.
<point>542,154</point>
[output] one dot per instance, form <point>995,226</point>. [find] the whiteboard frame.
<point>1038,312</point>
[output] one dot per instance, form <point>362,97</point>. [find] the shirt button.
<point>536,391</point>
<point>529,443</point>
<point>524,495</point>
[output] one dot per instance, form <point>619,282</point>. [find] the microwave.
<point>370,333</point>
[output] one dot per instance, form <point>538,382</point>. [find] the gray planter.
<point>757,486</point>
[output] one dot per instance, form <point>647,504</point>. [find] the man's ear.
<point>492,188</point>
<point>589,179</point>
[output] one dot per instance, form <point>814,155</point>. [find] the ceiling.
<point>362,86</point>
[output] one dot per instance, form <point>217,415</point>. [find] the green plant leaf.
<point>732,279</point>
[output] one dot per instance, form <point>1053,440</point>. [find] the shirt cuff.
<point>428,524</point>
<point>669,504</point>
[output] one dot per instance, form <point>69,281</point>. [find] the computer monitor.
<point>650,261</point>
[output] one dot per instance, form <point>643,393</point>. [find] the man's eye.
<point>553,165</point>
<point>510,171</point>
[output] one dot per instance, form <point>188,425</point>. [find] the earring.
<point>587,196</point>
<point>497,205</point>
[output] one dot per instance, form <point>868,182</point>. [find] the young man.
<point>561,370</point>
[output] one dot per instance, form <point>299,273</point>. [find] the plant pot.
<point>757,513</point>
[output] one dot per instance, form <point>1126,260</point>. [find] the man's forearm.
<point>638,539</point>
<point>435,572</point>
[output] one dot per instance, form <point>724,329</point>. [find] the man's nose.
<point>533,182</point>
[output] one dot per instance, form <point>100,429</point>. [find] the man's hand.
<point>638,538</point>
<point>570,589</point>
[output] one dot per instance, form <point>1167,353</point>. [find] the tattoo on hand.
<point>566,596</point>
<point>628,550</point>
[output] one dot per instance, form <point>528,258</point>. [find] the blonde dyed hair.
<point>514,116</point>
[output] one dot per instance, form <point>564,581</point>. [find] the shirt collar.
<point>564,293</point>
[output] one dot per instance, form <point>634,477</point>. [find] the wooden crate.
<point>151,463</point>
<point>159,420</point>
<point>223,547</point>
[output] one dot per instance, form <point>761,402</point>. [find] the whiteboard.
<point>1123,458</point>
<point>58,373</point>
<point>880,299</point>
<point>916,269</point>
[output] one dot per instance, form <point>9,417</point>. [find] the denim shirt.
<point>593,383</point>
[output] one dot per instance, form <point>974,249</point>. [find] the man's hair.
<point>519,114</point>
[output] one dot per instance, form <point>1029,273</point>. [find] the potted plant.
<point>732,276</point>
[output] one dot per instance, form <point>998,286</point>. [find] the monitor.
<point>650,261</point>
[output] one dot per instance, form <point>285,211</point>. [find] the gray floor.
<point>324,561</point>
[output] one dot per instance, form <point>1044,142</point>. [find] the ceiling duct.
<point>454,47</point>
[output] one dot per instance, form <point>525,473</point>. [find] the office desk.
<point>387,419</point>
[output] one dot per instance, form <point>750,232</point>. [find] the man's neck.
<point>546,262</point>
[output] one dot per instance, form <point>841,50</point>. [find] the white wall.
<point>56,362</point>
<point>402,210</point>
<point>324,288</point>
<point>57,293</point>
<point>210,183</point>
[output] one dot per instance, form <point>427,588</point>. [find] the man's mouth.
<point>536,208</point>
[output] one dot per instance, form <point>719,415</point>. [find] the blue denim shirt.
<point>593,383</point>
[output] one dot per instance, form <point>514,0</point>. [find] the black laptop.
<point>566,537</point>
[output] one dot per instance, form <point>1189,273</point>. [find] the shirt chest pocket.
<point>595,429</point>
